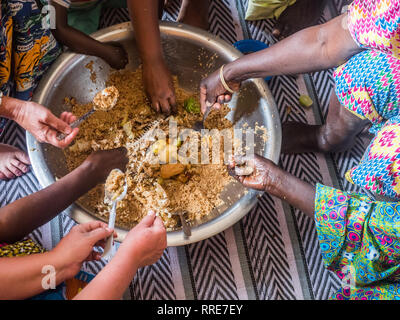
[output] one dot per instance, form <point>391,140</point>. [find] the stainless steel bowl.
<point>190,54</point>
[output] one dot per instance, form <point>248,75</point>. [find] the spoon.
<point>199,125</point>
<point>185,225</point>
<point>105,100</point>
<point>109,249</point>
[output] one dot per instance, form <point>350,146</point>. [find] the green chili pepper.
<point>192,105</point>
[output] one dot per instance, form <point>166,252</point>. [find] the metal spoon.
<point>199,125</point>
<point>109,249</point>
<point>185,226</point>
<point>77,122</point>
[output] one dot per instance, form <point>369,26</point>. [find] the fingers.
<point>172,103</point>
<point>100,233</point>
<point>203,98</point>
<point>156,106</point>
<point>59,125</point>
<point>51,137</point>
<point>68,117</point>
<point>94,255</point>
<point>148,220</point>
<point>92,225</point>
<point>224,98</point>
<point>56,125</point>
<point>165,107</point>
<point>158,223</point>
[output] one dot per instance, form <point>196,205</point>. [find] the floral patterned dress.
<point>368,85</point>
<point>360,242</point>
<point>27,48</point>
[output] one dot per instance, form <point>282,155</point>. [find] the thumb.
<point>58,124</point>
<point>148,220</point>
<point>203,98</point>
<point>99,234</point>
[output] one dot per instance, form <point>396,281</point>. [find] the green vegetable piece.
<point>305,101</point>
<point>192,105</point>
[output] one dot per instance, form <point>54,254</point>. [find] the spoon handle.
<point>108,248</point>
<point>208,110</point>
<point>185,226</point>
<point>76,123</point>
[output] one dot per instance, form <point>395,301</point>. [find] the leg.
<point>302,14</point>
<point>195,13</point>
<point>337,134</point>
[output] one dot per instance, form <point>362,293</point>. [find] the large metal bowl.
<point>190,54</point>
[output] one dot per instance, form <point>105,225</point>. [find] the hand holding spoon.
<point>104,100</point>
<point>113,196</point>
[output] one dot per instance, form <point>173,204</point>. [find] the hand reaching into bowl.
<point>267,176</point>
<point>114,54</point>
<point>39,121</point>
<point>159,87</point>
<point>213,92</point>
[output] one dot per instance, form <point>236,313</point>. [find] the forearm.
<point>19,218</point>
<point>312,49</point>
<point>113,280</point>
<point>21,277</point>
<point>144,16</point>
<point>10,107</point>
<point>293,190</point>
<point>74,39</point>
<point>79,42</point>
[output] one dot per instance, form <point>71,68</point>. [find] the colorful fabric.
<point>64,291</point>
<point>378,170</point>
<point>368,85</point>
<point>374,24</point>
<point>21,248</point>
<point>266,9</point>
<point>360,242</point>
<point>27,48</point>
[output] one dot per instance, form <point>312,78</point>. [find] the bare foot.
<point>300,137</point>
<point>13,162</point>
<point>195,13</point>
<point>302,14</point>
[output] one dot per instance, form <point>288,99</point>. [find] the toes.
<point>8,174</point>
<point>17,172</point>
<point>20,166</point>
<point>22,157</point>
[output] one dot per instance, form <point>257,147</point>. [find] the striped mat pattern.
<point>273,252</point>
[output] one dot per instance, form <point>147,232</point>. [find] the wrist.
<point>92,171</point>
<point>61,267</point>
<point>129,255</point>
<point>274,180</point>
<point>229,74</point>
<point>12,108</point>
<point>152,60</point>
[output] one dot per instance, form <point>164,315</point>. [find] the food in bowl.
<point>115,183</point>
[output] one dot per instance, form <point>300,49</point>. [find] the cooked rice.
<point>196,190</point>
